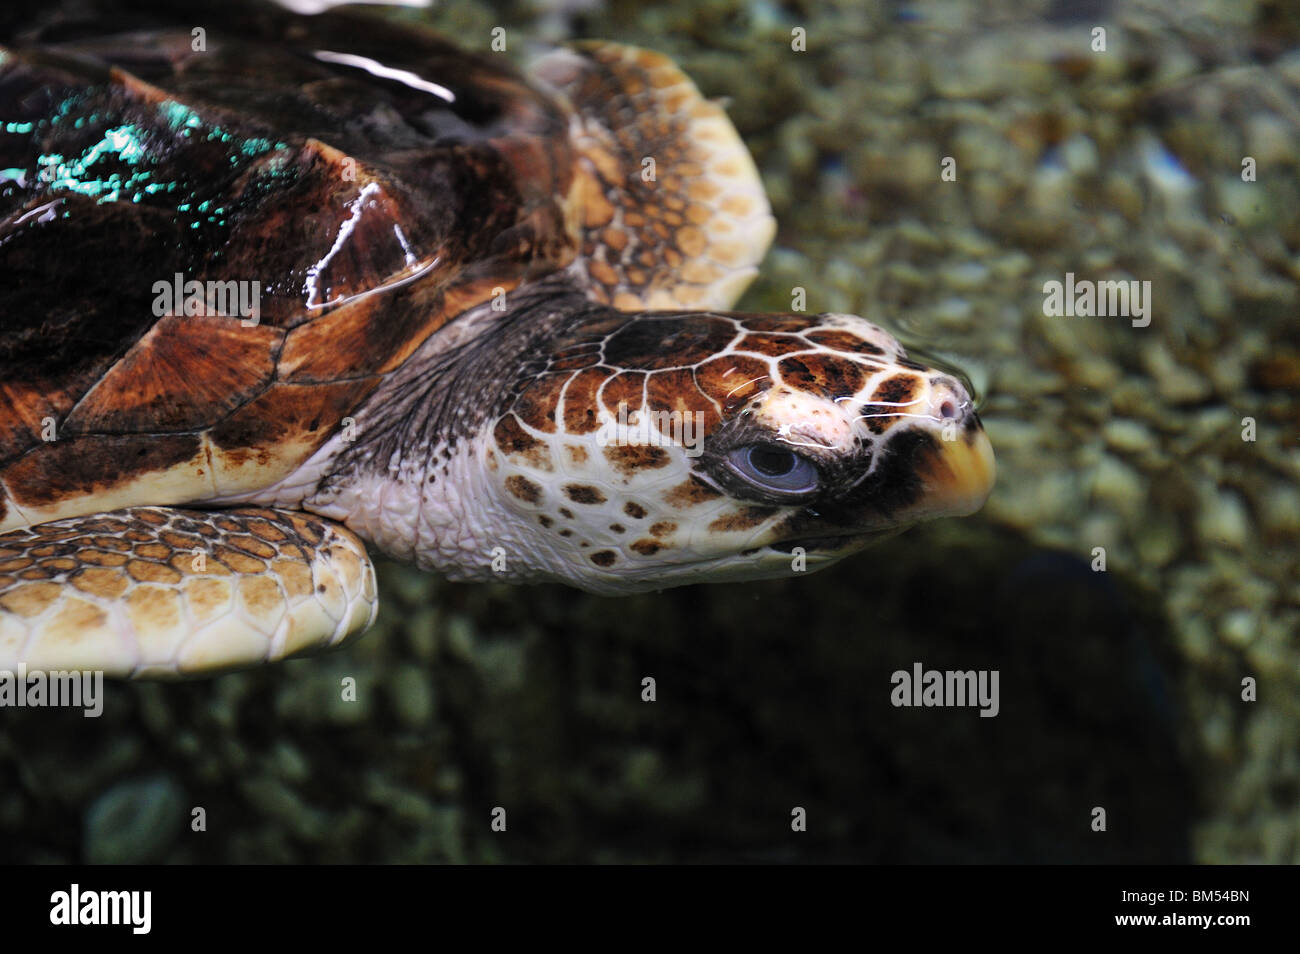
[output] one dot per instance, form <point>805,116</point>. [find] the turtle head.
<point>660,449</point>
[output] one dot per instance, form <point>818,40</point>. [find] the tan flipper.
<point>669,206</point>
<point>159,592</point>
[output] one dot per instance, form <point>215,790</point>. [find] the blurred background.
<point>1120,689</point>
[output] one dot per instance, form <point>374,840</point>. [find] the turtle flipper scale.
<point>668,205</point>
<point>161,592</point>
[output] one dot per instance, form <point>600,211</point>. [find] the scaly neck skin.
<point>409,476</point>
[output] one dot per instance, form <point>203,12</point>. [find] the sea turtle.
<point>327,280</point>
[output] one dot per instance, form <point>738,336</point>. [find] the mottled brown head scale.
<point>735,439</point>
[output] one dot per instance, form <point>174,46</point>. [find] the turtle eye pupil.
<point>772,462</point>
<point>775,471</point>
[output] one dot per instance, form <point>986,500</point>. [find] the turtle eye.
<point>775,469</point>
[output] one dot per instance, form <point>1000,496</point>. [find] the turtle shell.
<point>213,251</point>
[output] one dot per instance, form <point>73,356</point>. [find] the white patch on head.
<point>807,420</point>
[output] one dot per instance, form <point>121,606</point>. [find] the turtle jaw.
<point>957,477</point>
<point>834,546</point>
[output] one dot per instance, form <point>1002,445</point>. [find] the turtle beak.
<point>957,471</point>
<point>958,476</point>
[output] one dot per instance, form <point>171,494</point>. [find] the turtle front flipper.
<point>160,592</point>
<point>670,209</point>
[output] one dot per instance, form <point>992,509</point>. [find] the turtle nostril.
<point>949,400</point>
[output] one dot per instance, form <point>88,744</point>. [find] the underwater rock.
<point>134,822</point>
